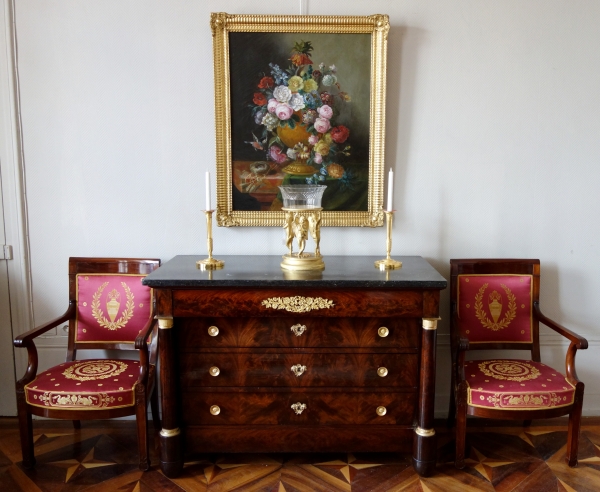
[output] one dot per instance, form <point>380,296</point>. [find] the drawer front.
<point>305,302</point>
<point>195,333</point>
<point>213,369</point>
<point>223,408</point>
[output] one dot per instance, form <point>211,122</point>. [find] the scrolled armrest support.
<point>141,344</point>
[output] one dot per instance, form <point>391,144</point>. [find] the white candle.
<point>390,190</point>
<point>208,190</point>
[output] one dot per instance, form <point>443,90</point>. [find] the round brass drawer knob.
<point>215,410</point>
<point>383,332</point>
<point>382,372</point>
<point>214,371</point>
<point>213,331</point>
<point>381,411</point>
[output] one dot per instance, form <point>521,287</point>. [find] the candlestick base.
<point>388,264</point>
<point>210,264</point>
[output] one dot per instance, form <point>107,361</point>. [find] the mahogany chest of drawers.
<point>254,362</point>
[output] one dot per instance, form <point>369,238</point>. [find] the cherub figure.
<point>288,227</point>
<point>301,232</point>
<point>314,224</point>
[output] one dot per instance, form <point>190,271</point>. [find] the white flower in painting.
<point>296,102</point>
<point>270,121</point>
<point>291,154</point>
<point>282,93</point>
<point>333,68</point>
<point>329,80</point>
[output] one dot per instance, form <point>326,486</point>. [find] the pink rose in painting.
<point>325,111</point>
<point>318,158</point>
<point>277,155</point>
<point>313,139</point>
<point>322,125</point>
<point>284,112</point>
<point>272,105</point>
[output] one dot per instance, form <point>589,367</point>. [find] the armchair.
<point>109,309</point>
<point>495,306</point>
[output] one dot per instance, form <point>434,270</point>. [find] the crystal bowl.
<point>302,196</point>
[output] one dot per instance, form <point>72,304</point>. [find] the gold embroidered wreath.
<point>99,314</point>
<point>508,317</point>
<point>509,370</point>
<point>91,371</point>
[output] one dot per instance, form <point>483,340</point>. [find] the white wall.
<point>493,126</point>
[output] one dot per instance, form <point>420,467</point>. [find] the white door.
<point>8,402</point>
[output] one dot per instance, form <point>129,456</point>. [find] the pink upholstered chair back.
<point>493,301</point>
<point>495,308</point>
<point>111,308</point>
<point>112,304</point>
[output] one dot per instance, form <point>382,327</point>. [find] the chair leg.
<point>574,429</point>
<point>452,405</point>
<point>461,426</point>
<point>155,409</point>
<point>141,418</point>
<point>77,424</point>
<point>25,431</point>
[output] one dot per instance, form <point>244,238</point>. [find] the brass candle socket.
<point>388,263</point>
<point>209,263</point>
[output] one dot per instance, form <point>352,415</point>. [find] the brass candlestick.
<point>388,263</point>
<point>209,263</point>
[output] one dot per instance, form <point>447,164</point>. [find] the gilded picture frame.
<point>299,99</point>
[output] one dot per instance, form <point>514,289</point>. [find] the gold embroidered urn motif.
<point>113,303</point>
<point>495,308</point>
<point>509,370</point>
<point>91,371</point>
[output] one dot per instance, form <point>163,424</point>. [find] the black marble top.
<point>265,271</point>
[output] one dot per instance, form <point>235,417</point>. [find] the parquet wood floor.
<point>102,456</point>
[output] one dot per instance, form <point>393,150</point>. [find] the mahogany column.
<point>171,459</point>
<point>424,444</point>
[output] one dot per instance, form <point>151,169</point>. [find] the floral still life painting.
<point>300,112</point>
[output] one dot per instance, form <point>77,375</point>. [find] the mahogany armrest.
<point>141,344</point>
<point>24,339</point>
<point>579,341</point>
<point>141,341</point>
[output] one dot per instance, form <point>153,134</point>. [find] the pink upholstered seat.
<point>86,385</point>
<point>514,384</point>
